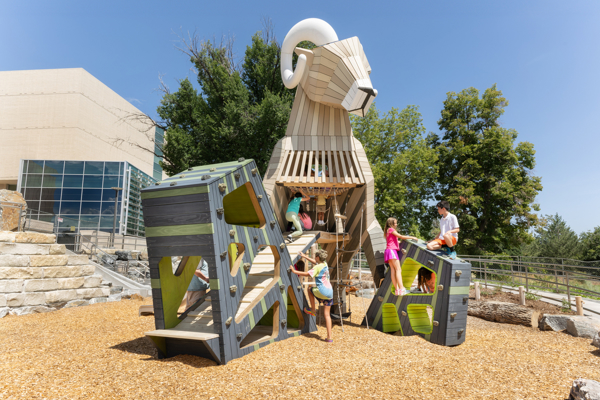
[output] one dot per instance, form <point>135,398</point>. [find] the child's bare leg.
<point>434,245</point>
<point>396,273</point>
<point>448,239</point>
<point>393,272</point>
<point>311,299</point>
<point>328,321</point>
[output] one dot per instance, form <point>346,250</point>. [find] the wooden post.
<point>556,278</point>
<point>527,278</point>
<point>521,295</point>
<point>579,304</point>
<point>568,290</point>
<point>477,293</point>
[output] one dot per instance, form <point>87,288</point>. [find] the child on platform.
<point>449,229</point>
<point>292,213</point>
<point>391,254</point>
<point>323,290</point>
<point>426,280</point>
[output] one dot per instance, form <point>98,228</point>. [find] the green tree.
<point>403,165</point>
<point>486,178</point>
<point>590,245</point>
<point>238,111</point>
<point>554,238</point>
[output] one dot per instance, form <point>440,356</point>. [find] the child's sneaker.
<point>452,255</point>
<point>309,311</point>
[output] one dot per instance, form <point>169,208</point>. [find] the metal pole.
<point>568,291</point>
<point>485,272</point>
<point>116,189</point>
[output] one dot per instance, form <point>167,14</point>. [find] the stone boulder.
<point>123,255</point>
<point>10,213</point>
<point>585,389</point>
<point>585,327</point>
<point>556,323</point>
<point>596,340</point>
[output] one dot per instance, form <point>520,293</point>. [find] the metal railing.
<point>562,279</point>
<point>124,242</point>
<point>132,269</point>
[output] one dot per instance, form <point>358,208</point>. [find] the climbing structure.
<point>440,317</point>
<point>221,213</point>
<point>319,154</point>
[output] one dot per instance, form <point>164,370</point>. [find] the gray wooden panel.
<point>184,251</point>
<point>184,240</point>
<point>176,209</point>
<point>178,219</point>
<point>454,337</point>
<point>188,198</point>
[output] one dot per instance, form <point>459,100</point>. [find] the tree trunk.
<point>502,312</point>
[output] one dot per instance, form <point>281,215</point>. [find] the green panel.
<point>161,343</point>
<point>459,290</point>
<point>180,230</point>
<point>249,243</point>
<point>256,347</point>
<point>155,283</point>
<point>385,299</point>
<point>292,318</point>
<point>214,284</point>
<point>267,319</point>
<point>419,319</point>
<point>239,209</point>
<point>173,288</point>
<point>297,333</point>
<point>251,318</point>
<point>436,293</point>
<point>264,231</point>
<point>263,304</point>
<point>174,192</point>
<point>391,321</point>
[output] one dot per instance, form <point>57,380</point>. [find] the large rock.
<point>25,299</point>
<point>20,273</point>
<point>78,260</point>
<point>585,327</point>
<point>33,310</point>
<point>585,389</point>
<point>4,312</point>
<point>64,272</point>
<point>61,296</point>
<point>123,255</point>
<point>11,214</point>
<point>11,260</point>
<point>596,340</point>
<point>76,303</point>
<point>57,249</point>
<point>2,300</point>
<point>556,323</point>
<point>48,261</point>
<point>92,281</point>
<point>24,248</point>
<point>11,286</point>
<point>34,237</point>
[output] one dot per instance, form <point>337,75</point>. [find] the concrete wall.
<point>65,114</point>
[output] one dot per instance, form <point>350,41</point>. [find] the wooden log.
<point>502,312</point>
<point>579,303</point>
<point>477,292</point>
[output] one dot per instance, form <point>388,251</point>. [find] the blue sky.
<point>543,55</point>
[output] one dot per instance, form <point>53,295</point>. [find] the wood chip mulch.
<point>99,352</point>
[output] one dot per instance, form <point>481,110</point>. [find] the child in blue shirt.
<point>323,290</point>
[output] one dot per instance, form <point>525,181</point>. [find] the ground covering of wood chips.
<point>99,351</point>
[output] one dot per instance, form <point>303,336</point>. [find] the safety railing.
<point>132,269</point>
<point>562,279</point>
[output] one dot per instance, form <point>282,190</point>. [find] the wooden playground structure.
<point>226,214</point>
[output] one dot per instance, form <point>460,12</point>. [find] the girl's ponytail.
<point>388,224</point>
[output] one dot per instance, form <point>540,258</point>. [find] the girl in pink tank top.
<point>391,254</point>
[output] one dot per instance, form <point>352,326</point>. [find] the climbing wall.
<point>220,213</point>
<point>439,317</point>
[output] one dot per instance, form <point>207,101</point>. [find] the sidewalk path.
<point>591,307</point>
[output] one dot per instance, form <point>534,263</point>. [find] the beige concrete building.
<point>66,114</point>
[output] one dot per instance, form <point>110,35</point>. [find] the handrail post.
<point>527,279</point>
<point>568,291</point>
<point>485,273</point>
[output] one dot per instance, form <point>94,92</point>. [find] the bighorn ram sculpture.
<point>319,154</point>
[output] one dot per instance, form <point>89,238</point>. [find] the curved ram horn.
<point>313,29</point>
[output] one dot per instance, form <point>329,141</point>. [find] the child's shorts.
<point>442,242</point>
<point>319,296</point>
<point>390,254</point>
<point>321,209</point>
